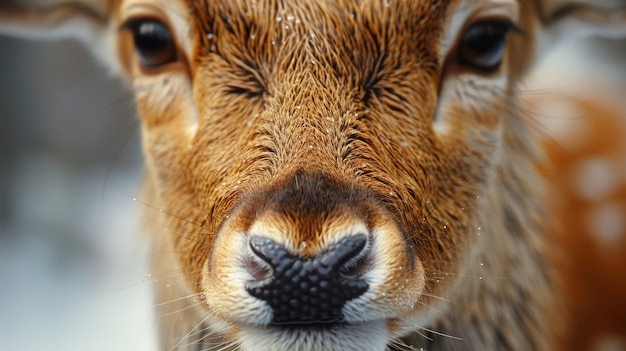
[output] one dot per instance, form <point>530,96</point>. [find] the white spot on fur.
<point>595,178</point>
<point>607,223</point>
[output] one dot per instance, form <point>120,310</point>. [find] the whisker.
<point>162,210</point>
<point>133,127</point>
<point>181,310</point>
<point>141,281</point>
<point>211,337</point>
<point>183,234</point>
<point>213,334</point>
<point>435,297</point>
<point>429,306</point>
<point>401,344</point>
<point>227,346</point>
<point>173,274</point>
<point>177,299</point>
<point>440,333</point>
<point>423,335</point>
<point>187,335</point>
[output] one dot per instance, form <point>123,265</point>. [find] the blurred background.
<point>576,99</point>
<point>73,271</point>
<point>72,267</point>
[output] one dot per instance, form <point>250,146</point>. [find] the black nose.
<point>312,290</point>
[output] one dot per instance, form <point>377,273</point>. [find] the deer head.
<point>336,175</point>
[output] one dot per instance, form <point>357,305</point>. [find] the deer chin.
<point>346,337</point>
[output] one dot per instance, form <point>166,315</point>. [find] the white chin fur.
<point>370,336</point>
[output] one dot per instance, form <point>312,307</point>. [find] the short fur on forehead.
<point>278,37</point>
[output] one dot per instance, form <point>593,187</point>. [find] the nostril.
<point>357,267</point>
<point>343,254</point>
<point>350,253</point>
<point>259,271</point>
<point>265,258</point>
<point>267,250</point>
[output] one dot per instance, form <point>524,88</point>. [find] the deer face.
<point>334,153</point>
<point>322,162</point>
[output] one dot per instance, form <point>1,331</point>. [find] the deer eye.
<point>154,43</point>
<point>482,45</point>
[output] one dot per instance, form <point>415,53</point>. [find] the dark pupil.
<point>152,37</point>
<point>154,45</point>
<point>483,45</point>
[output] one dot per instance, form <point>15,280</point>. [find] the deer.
<point>586,184</point>
<point>337,175</point>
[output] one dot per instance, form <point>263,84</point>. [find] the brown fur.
<point>306,119</point>
<point>343,108</point>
